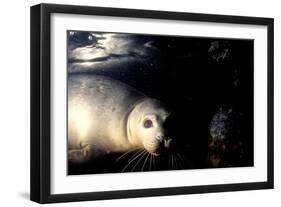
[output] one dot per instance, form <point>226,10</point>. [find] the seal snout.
<point>164,141</point>
<point>160,138</point>
<point>160,145</point>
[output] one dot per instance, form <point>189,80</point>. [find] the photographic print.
<point>141,102</point>
<point>132,103</point>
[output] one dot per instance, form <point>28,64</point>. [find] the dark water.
<point>198,79</point>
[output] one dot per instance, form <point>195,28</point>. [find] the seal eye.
<point>147,123</point>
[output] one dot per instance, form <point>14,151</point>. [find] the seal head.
<point>145,126</point>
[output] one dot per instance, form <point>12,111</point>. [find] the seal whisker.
<point>135,154</point>
<point>169,161</point>
<point>144,162</point>
<point>142,152</point>
<point>175,161</point>
<point>179,165</point>
<point>124,154</point>
<point>153,161</point>
<point>140,158</point>
<point>182,161</point>
<point>183,157</point>
<point>150,158</point>
<point>172,156</point>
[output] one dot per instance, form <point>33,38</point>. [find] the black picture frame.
<point>41,99</point>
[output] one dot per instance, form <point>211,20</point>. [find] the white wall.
<point>14,110</point>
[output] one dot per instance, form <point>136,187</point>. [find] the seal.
<point>106,115</point>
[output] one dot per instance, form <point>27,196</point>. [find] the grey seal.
<point>106,115</point>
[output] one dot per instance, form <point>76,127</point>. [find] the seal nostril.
<point>167,143</point>
<point>160,138</point>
